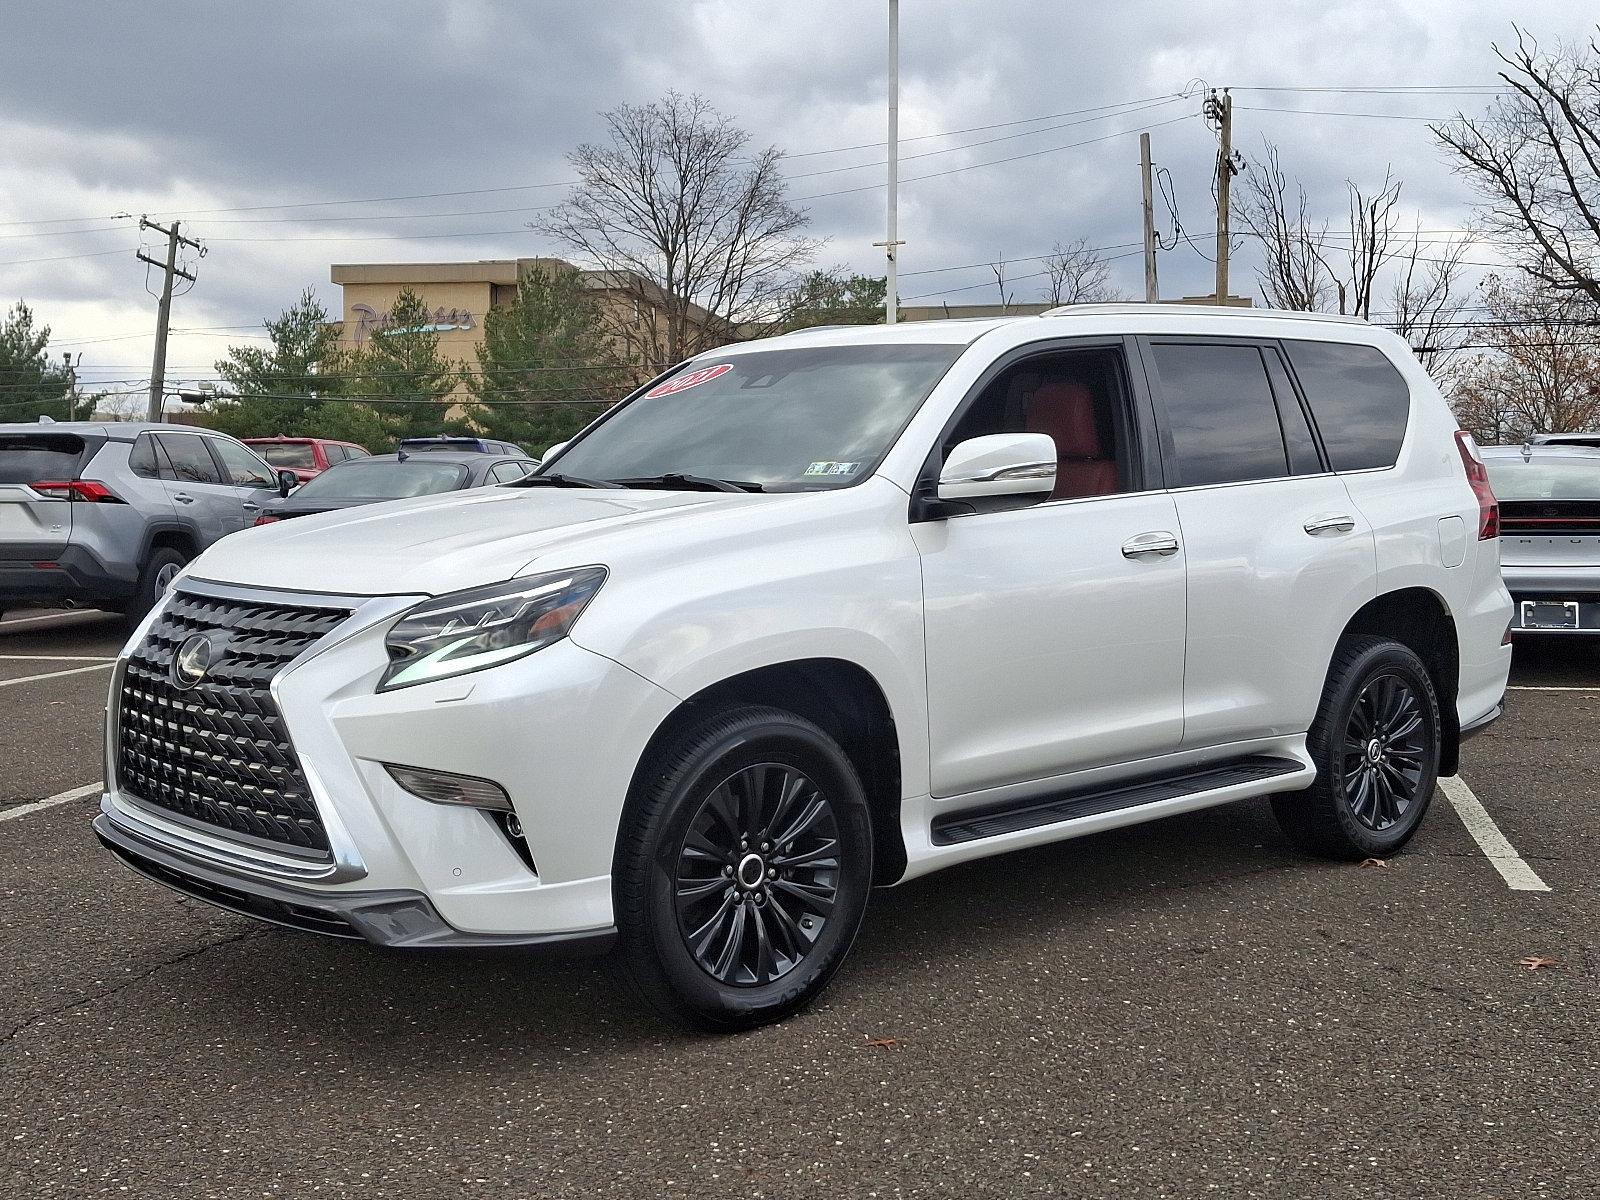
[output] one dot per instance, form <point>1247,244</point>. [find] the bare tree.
<point>1293,274</point>
<point>1372,228</point>
<point>1076,274</point>
<point>999,269</point>
<point>696,236</point>
<point>1534,157</point>
<point>1304,265</point>
<point>1541,369</point>
<point>1427,299</point>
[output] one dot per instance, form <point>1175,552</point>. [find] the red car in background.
<point>306,457</point>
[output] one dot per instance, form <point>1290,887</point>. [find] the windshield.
<point>286,454</point>
<point>1544,479</point>
<point>813,418</point>
<point>383,479</point>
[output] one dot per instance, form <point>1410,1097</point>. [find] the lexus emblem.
<point>193,659</point>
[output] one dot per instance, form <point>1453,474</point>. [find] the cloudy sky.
<point>289,135</point>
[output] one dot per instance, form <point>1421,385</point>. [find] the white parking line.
<point>78,793</point>
<point>1528,687</point>
<point>1519,876</point>
<point>60,616</point>
<point>94,658</point>
<point>103,666</point>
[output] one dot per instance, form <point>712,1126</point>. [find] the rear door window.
<point>191,461</point>
<point>40,458</point>
<point>1360,402</point>
<point>1220,414</point>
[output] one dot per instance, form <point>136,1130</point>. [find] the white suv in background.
<point>825,611</point>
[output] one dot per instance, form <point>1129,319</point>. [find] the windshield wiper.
<point>703,483</point>
<point>557,480</point>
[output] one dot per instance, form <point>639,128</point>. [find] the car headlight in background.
<point>486,626</point>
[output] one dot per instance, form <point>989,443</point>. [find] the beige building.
<point>459,295</point>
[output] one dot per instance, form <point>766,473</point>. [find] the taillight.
<point>78,489</point>
<point>1478,477</point>
<point>267,519</point>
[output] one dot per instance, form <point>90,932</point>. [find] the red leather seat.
<point>1066,412</point>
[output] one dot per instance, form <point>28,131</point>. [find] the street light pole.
<point>892,243</point>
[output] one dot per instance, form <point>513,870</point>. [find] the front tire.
<point>742,870</point>
<point>1376,744</point>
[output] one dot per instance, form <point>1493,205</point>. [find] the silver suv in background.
<point>104,515</point>
<point>1549,493</point>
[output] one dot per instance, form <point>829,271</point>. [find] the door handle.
<point>183,497</point>
<point>1339,524</point>
<point>251,506</point>
<point>1158,542</point>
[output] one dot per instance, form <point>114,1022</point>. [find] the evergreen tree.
<point>280,388</point>
<point>403,375</point>
<point>30,387</point>
<point>546,367</point>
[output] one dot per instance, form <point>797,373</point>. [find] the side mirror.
<point>287,482</point>
<point>552,451</point>
<point>1000,464</point>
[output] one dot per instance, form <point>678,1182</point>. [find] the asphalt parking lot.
<point>1184,1009</point>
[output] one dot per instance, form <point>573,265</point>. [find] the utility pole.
<point>891,243</point>
<point>1152,292</point>
<point>1220,109</point>
<point>158,366</point>
<point>72,382</point>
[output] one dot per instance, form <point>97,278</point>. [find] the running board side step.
<point>975,824</point>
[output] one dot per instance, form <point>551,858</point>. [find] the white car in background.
<point>1549,493</point>
<point>823,612</point>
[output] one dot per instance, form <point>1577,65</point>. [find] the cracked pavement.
<point>1166,1011</point>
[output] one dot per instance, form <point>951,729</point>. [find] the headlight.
<point>483,627</point>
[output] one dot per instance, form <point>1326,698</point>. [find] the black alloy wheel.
<point>743,865</point>
<point>758,874</point>
<point>1375,742</point>
<point>1383,752</point>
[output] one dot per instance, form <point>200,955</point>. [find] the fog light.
<point>443,787</point>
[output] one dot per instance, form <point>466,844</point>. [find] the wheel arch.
<point>1420,619</point>
<point>163,534</point>
<point>841,697</point>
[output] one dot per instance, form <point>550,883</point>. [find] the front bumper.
<point>394,917</point>
<point>560,730</point>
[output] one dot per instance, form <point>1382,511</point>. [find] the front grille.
<point>218,753</point>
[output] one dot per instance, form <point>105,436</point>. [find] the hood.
<point>443,543</point>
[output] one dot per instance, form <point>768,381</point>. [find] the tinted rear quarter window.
<point>38,458</point>
<point>1220,414</point>
<point>1360,402</point>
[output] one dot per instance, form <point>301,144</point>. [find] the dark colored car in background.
<point>1549,493</point>
<point>306,457</point>
<point>474,445</point>
<point>399,476</point>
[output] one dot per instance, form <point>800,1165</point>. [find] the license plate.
<point>1549,614</point>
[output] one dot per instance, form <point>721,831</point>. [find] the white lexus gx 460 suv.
<point>824,612</point>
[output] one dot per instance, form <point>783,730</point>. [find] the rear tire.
<point>742,870</point>
<point>1375,742</point>
<point>155,577</point>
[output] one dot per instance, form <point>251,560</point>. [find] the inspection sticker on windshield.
<point>832,468</point>
<point>680,383</point>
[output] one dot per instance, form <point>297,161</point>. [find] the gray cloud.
<point>290,102</point>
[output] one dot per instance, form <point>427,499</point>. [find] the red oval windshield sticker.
<point>692,379</point>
